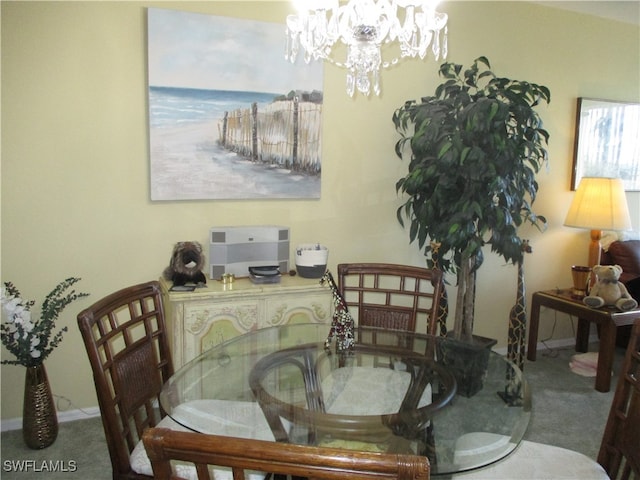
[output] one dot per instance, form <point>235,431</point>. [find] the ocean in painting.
<point>188,164</point>
<point>170,107</point>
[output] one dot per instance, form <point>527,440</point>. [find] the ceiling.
<point>627,11</point>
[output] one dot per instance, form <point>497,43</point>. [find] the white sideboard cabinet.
<point>210,315</point>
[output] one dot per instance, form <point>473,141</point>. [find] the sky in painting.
<point>191,50</point>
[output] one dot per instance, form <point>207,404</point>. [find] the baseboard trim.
<point>558,343</point>
<point>66,416</point>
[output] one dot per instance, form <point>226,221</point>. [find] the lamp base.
<point>595,248</point>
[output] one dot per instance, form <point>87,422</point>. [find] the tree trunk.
<point>465,300</point>
<point>462,284</point>
<point>469,301</point>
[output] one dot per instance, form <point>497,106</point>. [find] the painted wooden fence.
<point>285,133</point>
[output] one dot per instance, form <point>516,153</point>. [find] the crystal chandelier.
<point>368,28</point>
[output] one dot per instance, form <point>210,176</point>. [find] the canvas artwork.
<point>229,117</point>
<point>607,144</point>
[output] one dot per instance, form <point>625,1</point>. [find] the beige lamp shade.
<point>599,204</point>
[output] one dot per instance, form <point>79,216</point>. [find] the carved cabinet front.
<point>210,315</point>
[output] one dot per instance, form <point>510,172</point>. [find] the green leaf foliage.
<point>476,146</point>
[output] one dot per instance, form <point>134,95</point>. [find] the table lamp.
<point>599,204</point>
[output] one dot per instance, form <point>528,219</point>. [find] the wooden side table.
<point>607,319</point>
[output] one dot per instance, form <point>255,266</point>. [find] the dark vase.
<point>39,419</point>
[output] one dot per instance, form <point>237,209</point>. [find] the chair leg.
<point>428,445</point>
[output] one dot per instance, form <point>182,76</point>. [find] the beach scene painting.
<point>229,117</point>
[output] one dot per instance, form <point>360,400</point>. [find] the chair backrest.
<point>620,448</point>
<point>398,297</point>
<point>126,340</point>
<point>205,451</point>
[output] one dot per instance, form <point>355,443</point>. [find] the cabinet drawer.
<point>308,308</point>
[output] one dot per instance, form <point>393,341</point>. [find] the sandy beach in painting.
<point>188,164</point>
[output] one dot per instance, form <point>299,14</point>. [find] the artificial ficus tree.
<point>476,146</point>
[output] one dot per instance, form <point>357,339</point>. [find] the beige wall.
<point>75,176</point>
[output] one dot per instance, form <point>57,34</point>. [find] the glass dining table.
<point>391,392</point>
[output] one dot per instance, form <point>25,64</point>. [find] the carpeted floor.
<point>79,452</point>
<point>567,412</point>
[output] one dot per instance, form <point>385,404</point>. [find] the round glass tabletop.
<point>395,391</point>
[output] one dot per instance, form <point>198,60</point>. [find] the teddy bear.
<point>608,291</point>
<point>185,266</point>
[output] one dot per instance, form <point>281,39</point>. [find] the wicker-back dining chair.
<point>620,448</point>
<point>245,455</point>
<point>126,340</point>
<point>398,297</point>
<point>394,297</point>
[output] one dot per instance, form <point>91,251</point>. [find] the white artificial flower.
<point>27,326</point>
<point>4,296</point>
<point>28,336</point>
<point>11,307</point>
